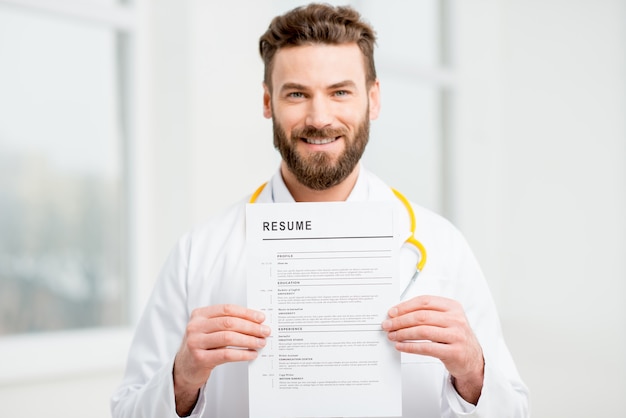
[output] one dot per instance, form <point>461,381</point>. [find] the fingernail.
<point>393,312</point>
<point>261,342</point>
<point>386,324</point>
<point>265,330</point>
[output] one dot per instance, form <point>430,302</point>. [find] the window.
<point>63,252</point>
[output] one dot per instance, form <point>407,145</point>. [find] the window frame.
<point>46,355</point>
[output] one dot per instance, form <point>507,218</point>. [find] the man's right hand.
<point>215,335</point>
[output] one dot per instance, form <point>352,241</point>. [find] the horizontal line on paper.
<point>317,238</point>
<point>337,324</point>
<point>330,330</point>
<point>333,251</point>
<point>294,278</point>
<point>336,258</point>
<point>338,284</point>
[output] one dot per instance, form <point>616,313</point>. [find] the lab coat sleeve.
<point>500,398</point>
<point>147,390</point>
<point>503,395</point>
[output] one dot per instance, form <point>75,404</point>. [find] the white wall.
<point>542,178</point>
<point>82,395</point>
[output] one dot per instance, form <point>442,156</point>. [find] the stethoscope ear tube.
<point>412,240</point>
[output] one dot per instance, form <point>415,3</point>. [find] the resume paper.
<point>325,275</point>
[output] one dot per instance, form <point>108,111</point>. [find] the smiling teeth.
<point>319,141</point>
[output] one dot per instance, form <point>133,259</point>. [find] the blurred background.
<point>125,123</point>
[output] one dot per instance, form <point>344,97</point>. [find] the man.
<point>321,91</point>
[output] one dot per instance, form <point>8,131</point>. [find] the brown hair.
<point>322,24</point>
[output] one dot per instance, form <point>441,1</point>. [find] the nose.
<point>319,112</point>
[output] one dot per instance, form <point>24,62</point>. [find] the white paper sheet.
<point>325,275</point>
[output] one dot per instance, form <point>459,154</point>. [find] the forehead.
<point>318,65</point>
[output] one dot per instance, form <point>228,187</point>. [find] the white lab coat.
<point>207,267</point>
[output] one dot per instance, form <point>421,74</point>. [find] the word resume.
<point>325,275</point>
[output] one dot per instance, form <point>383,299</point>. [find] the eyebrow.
<point>298,86</point>
<point>292,86</point>
<point>342,84</point>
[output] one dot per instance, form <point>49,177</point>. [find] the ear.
<point>267,102</point>
<point>374,99</point>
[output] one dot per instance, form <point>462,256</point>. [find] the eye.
<point>295,95</point>
<point>342,93</point>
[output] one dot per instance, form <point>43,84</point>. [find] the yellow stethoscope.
<point>411,240</point>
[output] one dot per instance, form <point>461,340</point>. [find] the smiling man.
<point>321,105</point>
<point>193,344</point>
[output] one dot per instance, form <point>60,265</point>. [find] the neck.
<point>301,193</point>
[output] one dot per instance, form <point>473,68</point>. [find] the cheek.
<point>352,118</point>
<point>353,113</point>
<point>289,119</point>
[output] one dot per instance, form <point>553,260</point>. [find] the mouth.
<point>320,141</point>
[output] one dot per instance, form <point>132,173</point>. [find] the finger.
<point>225,339</point>
<point>424,302</point>
<point>417,318</point>
<point>226,355</point>
<point>204,325</point>
<point>425,348</point>
<point>424,333</point>
<point>229,310</point>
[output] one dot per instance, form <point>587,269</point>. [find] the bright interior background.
<point>513,127</point>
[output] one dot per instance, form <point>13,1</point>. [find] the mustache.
<point>318,133</point>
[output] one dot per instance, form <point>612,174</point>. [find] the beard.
<point>317,170</point>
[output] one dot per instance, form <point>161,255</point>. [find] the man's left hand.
<point>437,327</point>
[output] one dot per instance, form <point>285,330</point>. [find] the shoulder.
<point>432,222</point>
<point>221,224</point>
<point>430,226</point>
<point>436,225</point>
<point>426,219</point>
<point>447,248</point>
<point>215,232</point>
